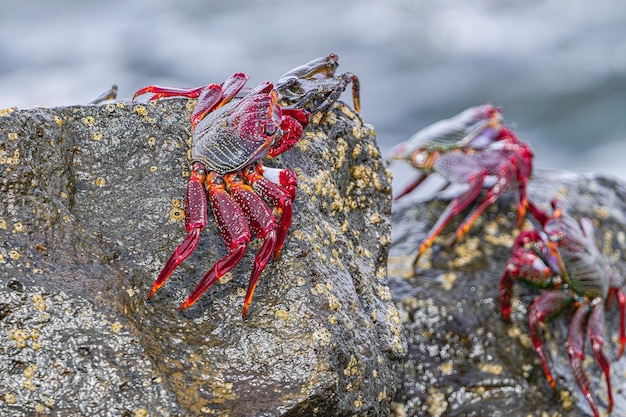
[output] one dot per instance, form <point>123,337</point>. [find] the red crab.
<point>233,128</point>
<point>562,255</point>
<point>468,149</point>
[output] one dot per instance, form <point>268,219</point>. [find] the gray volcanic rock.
<point>91,208</point>
<point>463,359</point>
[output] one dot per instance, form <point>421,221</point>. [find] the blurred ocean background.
<point>557,69</point>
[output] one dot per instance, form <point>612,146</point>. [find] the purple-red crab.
<point>468,149</point>
<point>562,255</point>
<point>233,128</point>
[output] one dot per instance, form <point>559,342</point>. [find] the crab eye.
<point>419,158</point>
<point>555,234</point>
<point>269,129</point>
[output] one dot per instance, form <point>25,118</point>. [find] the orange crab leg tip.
<point>138,93</point>
<point>522,211</point>
<point>357,104</point>
<point>153,291</point>
<point>247,301</point>
<point>463,231</point>
<point>158,283</point>
<point>244,312</point>
<point>423,248</point>
<point>521,217</point>
<point>190,300</point>
<point>427,243</point>
<point>145,90</point>
<point>186,304</point>
<point>276,254</point>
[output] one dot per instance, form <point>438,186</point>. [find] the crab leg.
<point>324,65</point>
<point>412,185</point>
<point>621,300</point>
<point>233,229</point>
<point>210,96</point>
<point>596,335</point>
<point>110,94</point>
<point>504,179</point>
<point>544,308</point>
<point>322,69</point>
<point>335,87</point>
<point>336,90</point>
<point>278,188</point>
<point>261,259</point>
<point>514,165</point>
<point>524,158</point>
<point>161,92</point>
<point>476,176</point>
<point>576,351</point>
<point>263,224</point>
<point>195,221</point>
<point>356,87</point>
<point>522,263</point>
<point>214,96</point>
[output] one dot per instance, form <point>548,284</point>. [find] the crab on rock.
<point>233,128</point>
<point>468,149</point>
<point>316,81</point>
<point>562,255</point>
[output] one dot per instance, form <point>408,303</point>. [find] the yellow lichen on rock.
<point>40,303</point>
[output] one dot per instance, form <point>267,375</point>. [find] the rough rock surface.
<point>463,359</point>
<point>90,209</point>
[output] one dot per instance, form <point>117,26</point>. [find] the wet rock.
<point>463,359</point>
<point>92,208</point>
